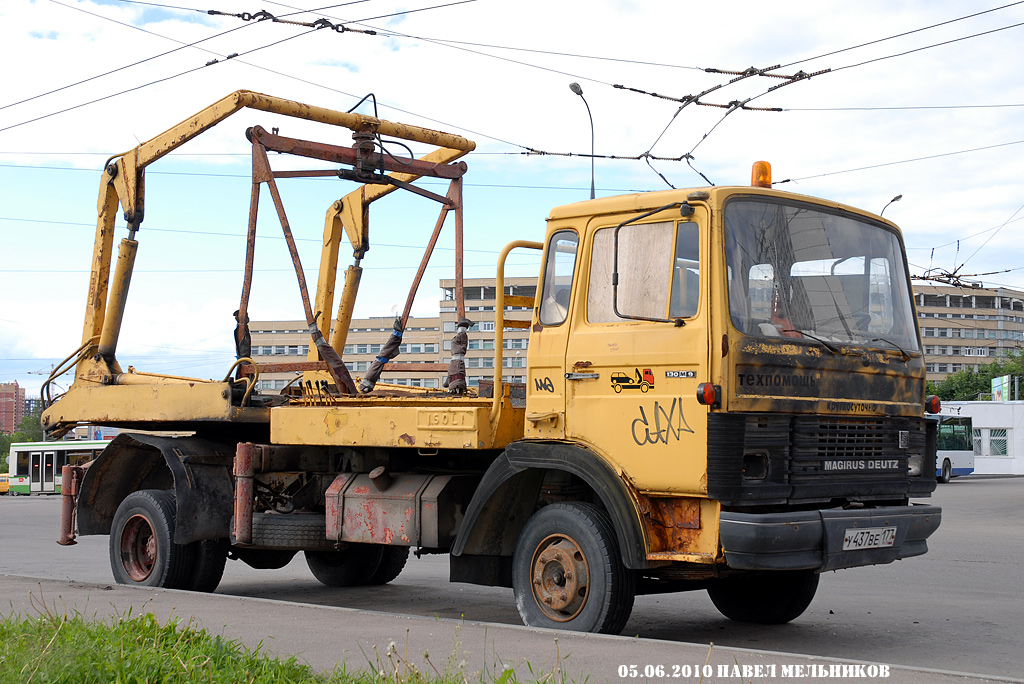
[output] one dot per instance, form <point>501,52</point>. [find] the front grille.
<point>811,458</point>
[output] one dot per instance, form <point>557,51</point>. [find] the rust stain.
<point>672,523</point>
<point>406,439</point>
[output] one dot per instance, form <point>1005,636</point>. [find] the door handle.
<point>582,376</point>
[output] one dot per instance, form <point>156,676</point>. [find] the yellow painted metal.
<point>328,273</point>
<point>353,274</point>
<point>499,319</point>
<point>118,297</point>
<point>173,406</point>
<point>123,184</point>
<point>644,428</point>
<point>424,423</point>
<point>96,302</point>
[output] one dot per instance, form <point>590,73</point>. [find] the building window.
<point>997,442</point>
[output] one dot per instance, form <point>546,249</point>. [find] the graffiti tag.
<point>544,385</point>
<point>670,423</point>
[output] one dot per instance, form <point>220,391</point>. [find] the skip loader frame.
<point>774,430</point>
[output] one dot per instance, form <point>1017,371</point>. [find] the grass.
<point>60,648</point>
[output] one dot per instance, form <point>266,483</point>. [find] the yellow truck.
<point>725,391</point>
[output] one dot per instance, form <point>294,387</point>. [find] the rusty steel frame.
<point>357,156</point>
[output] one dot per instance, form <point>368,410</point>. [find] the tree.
<point>966,385</point>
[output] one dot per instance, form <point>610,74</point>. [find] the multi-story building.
<point>966,327</point>
<point>479,294</point>
<point>33,405</point>
<point>424,341</point>
<point>961,328</point>
<point>12,406</point>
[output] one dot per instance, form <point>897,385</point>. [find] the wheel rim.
<point>560,577</point>
<point>138,548</point>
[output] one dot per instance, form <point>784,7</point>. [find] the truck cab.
<point>747,363</point>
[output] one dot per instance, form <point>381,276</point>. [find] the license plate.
<point>868,538</point>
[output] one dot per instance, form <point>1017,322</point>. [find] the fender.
<point>507,496</point>
<point>199,471</point>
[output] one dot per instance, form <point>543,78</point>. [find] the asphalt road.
<point>959,608</point>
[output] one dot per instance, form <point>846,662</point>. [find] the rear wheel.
<point>142,548</point>
<point>567,573</point>
<point>349,567</point>
<point>209,557</point>
<point>392,562</point>
<point>770,598</point>
<point>947,472</point>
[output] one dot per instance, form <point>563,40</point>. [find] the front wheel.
<point>142,548</point>
<point>770,598</point>
<point>567,572</point>
<point>947,472</point>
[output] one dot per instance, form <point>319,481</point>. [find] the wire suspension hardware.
<point>264,15</point>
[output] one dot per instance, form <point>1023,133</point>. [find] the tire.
<point>644,387</point>
<point>349,567</point>
<point>392,562</point>
<point>947,472</point>
<point>142,548</point>
<point>209,557</point>
<point>617,388</point>
<point>771,598</point>
<point>567,572</point>
<point>263,559</point>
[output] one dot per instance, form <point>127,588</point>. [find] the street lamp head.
<point>897,198</point>
<point>575,87</point>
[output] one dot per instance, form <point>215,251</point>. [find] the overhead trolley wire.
<point>276,72</point>
<point>901,35</point>
<point>154,82</point>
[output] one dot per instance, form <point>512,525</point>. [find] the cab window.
<point>657,279</point>
<point>558,274</point>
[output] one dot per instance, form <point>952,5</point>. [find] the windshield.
<point>802,272</point>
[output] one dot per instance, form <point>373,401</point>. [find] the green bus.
<point>35,467</point>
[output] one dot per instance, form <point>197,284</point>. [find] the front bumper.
<point>813,540</point>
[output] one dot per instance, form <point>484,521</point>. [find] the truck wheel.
<point>771,598</point>
<point>392,562</point>
<point>263,559</point>
<point>644,387</point>
<point>142,548</point>
<point>617,388</point>
<point>947,472</point>
<point>567,572</point>
<point>209,557</point>
<point>346,568</point>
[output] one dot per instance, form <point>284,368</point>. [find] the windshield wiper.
<point>834,350</point>
<point>905,355</point>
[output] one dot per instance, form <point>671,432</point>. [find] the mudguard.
<point>198,470</point>
<point>507,496</point>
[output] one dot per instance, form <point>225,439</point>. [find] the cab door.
<point>545,380</point>
<point>639,349</point>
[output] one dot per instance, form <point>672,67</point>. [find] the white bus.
<point>35,467</point>
<point>955,455</point>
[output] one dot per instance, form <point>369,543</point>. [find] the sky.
<point>918,99</point>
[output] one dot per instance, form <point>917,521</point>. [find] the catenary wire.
<point>291,77</point>
<point>901,35</point>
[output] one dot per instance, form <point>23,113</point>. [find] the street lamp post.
<point>575,87</point>
<point>897,198</point>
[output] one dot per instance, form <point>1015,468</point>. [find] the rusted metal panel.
<point>411,510</point>
<point>672,523</point>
